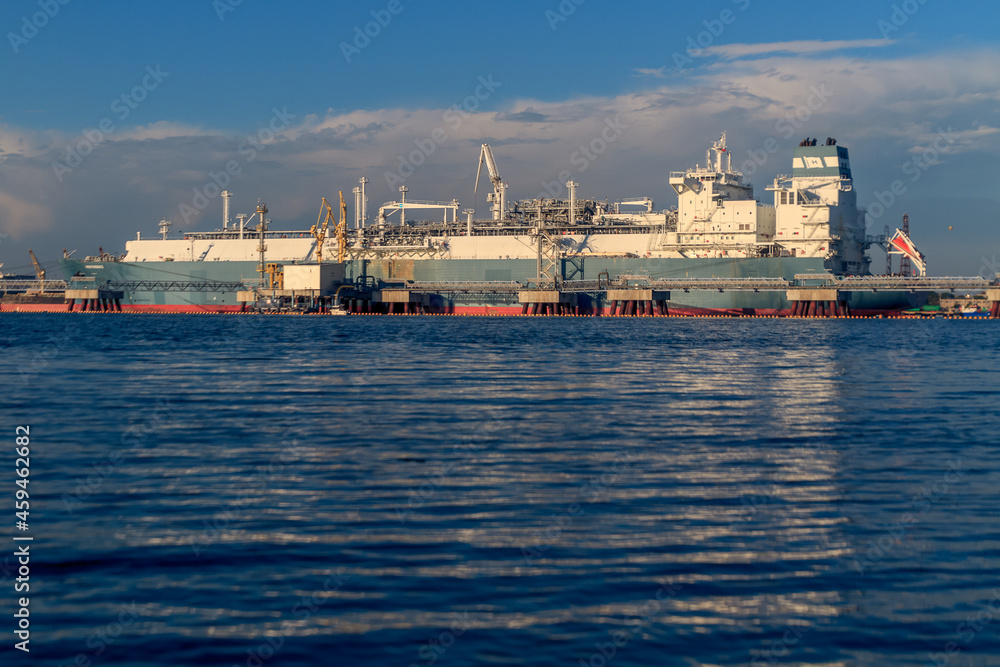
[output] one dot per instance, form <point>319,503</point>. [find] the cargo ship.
<point>811,225</point>
<point>26,294</point>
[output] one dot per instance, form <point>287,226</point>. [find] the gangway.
<point>390,207</point>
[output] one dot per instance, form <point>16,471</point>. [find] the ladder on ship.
<point>205,254</point>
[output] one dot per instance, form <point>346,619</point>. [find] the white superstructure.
<point>814,215</point>
<point>717,215</point>
<point>818,215</point>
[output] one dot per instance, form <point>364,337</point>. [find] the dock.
<point>626,295</point>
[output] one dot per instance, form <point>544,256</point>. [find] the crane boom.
<point>498,198</point>
<point>39,271</point>
<point>319,231</point>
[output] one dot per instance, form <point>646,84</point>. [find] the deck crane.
<point>499,195</point>
<point>39,271</point>
<point>342,230</point>
<point>319,231</point>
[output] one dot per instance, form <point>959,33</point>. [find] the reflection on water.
<point>511,491</point>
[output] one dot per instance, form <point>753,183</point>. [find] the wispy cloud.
<point>882,109</point>
<point>800,47</point>
<point>158,130</point>
<point>658,72</point>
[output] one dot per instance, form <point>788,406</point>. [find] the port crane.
<point>498,198</point>
<point>39,271</point>
<point>319,230</point>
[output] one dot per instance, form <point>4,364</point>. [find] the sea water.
<point>416,491</point>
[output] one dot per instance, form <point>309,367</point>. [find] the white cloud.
<point>659,72</point>
<point>883,110</point>
<point>800,47</point>
<point>159,130</point>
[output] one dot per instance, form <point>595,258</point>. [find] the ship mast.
<point>226,194</point>
<point>719,148</point>
<point>261,227</point>
<point>342,230</point>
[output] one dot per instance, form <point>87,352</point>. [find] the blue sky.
<point>558,71</point>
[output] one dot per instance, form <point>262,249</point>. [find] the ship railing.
<point>15,285</point>
<point>177,285</point>
<point>721,284</point>
<point>462,286</point>
<point>808,277</point>
<point>426,202</point>
<point>913,282</point>
<point>589,285</point>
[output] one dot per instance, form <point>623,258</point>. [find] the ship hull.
<point>32,303</point>
<point>390,271</point>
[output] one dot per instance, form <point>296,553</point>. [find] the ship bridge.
<point>821,161</point>
<point>717,215</point>
<point>817,212</point>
